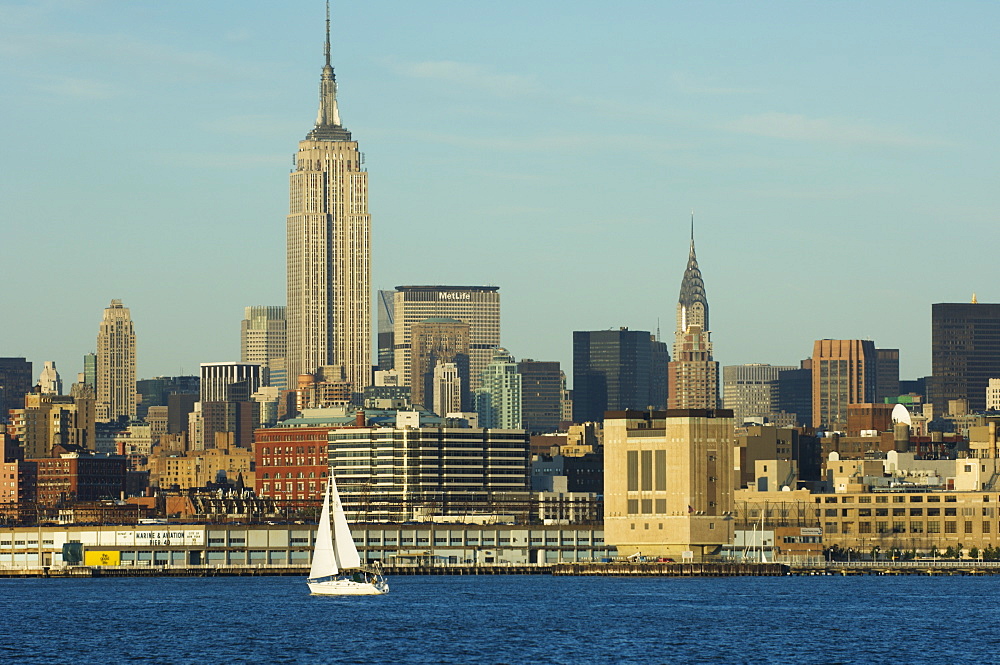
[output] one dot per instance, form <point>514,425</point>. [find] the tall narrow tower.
<point>329,248</point>
<point>116,364</point>
<point>693,376</point>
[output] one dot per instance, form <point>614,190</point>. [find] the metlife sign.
<point>454,295</point>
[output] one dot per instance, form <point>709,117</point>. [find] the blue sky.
<point>841,159</point>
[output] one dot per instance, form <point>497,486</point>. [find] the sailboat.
<point>336,566</point>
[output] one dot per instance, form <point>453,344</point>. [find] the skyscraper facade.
<point>498,399</point>
<point>693,377</point>
<point>50,382</point>
<point>541,395</point>
<point>479,306</point>
<point>965,353</point>
<point>753,392</point>
<point>385,315</point>
<point>886,375</point>
<point>329,248</point>
<point>229,382</point>
<point>447,389</point>
<point>15,383</point>
<point>116,395</point>
<point>611,372</point>
<point>435,341</point>
<point>843,372</point>
<point>264,341</point>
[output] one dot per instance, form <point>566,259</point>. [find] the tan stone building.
<point>116,395</point>
<point>668,481</point>
<point>328,313</point>
<point>198,468</point>
<point>50,420</point>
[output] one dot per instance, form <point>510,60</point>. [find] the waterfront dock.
<point>594,569</point>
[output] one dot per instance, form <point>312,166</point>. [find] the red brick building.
<point>291,464</point>
<point>76,476</point>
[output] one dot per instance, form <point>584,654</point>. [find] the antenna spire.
<point>326,49</point>
<point>328,125</point>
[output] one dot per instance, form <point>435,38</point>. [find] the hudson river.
<point>530,619</point>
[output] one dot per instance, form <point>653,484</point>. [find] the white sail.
<point>324,562</point>
<point>343,543</point>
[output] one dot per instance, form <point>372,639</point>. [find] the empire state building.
<point>329,250</point>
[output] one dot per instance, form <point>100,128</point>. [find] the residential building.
<point>116,393</point>
<point>498,399</point>
<point>668,482</point>
<point>965,353</point>
<point>48,421</point>
<point>693,376</point>
<point>478,306</point>
<point>264,341</point>
<point>611,372</point>
<point>75,475</point>
<point>291,464</point>
<point>843,372</point>
<point>328,310</point>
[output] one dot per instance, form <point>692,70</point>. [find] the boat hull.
<point>347,588</point>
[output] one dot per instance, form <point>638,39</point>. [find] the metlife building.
<point>479,306</point>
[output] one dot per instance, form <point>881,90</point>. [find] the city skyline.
<point>857,134</point>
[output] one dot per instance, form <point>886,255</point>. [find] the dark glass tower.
<point>965,353</point>
<point>611,372</point>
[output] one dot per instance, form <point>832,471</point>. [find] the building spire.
<point>692,303</point>
<point>328,125</point>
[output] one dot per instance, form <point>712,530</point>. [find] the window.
<point>934,527</point>
<point>950,527</point>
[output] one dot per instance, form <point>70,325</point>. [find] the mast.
<point>328,125</point>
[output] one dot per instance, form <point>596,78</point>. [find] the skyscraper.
<point>693,381</point>
<point>435,341</point>
<point>385,318</point>
<point>611,372</point>
<point>15,383</point>
<point>498,399</point>
<point>50,382</point>
<point>479,306</point>
<point>329,248</point>
<point>843,372</point>
<point>541,395</point>
<point>886,375</point>
<point>965,353</point>
<point>116,396</point>
<point>754,392</point>
<point>263,340</point>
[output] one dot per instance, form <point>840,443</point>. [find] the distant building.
<point>965,353</point>
<point>795,392</point>
<point>291,464</point>
<point>157,391</point>
<point>229,382</point>
<point>478,306</point>
<point>386,334</point>
<point>434,341</point>
<point>753,393</point>
<point>886,375</point>
<point>993,395</point>
<point>79,476</point>
<point>843,372</point>
<point>329,250</point>
<point>541,395</point>
<point>116,394</point>
<point>498,399</point>
<point>264,341</point>
<point>693,373</point>
<point>611,372</point>
<point>15,383</point>
<point>50,382</point>
<point>659,373</point>
<point>49,421</point>
<point>447,389</point>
